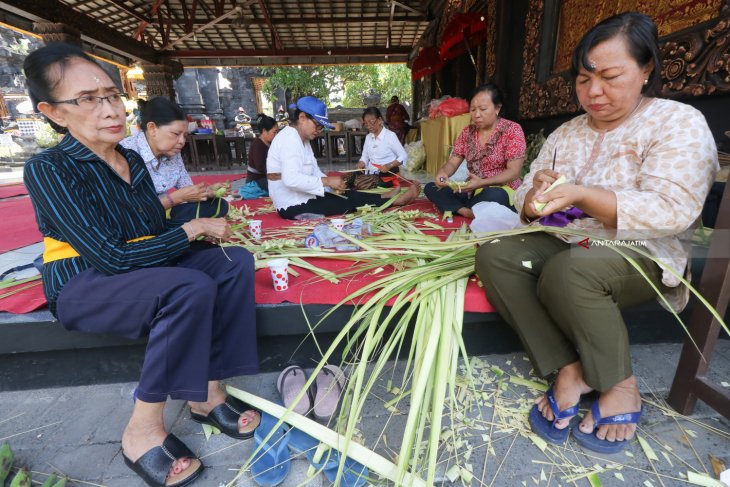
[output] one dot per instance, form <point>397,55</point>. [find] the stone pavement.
<point>76,431</point>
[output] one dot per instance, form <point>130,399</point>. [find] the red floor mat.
<point>307,288</point>
<point>17,225</point>
<point>10,190</point>
<point>217,178</point>
<point>30,299</point>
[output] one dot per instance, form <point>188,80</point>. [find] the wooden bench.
<point>690,380</point>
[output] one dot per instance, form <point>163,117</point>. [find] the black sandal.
<point>225,417</point>
<point>154,466</point>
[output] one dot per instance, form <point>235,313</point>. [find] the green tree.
<point>350,82</point>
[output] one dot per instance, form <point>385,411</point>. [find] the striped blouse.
<point>81,200</point>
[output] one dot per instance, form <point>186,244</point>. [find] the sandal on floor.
<point>353,474</point>
<point>225,417</point>
<point>272,463</point>
<point>329,383</point>
<point>289,384</point>
<point>300,442</point>
<point>154,466</point>
<point>591,442</point>
<point>546,429</point>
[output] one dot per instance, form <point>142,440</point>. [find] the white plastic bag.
<point>491,217</point>
<point>416,155</point>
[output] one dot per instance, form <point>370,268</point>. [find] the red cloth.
<point>18,227</point>
<point>10,190</point>
<point>506,143</point>
<point>307,288</point>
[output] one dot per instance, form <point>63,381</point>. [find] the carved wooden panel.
<point>670,16</point>
<point>491,38</point>
<point>696,62</point>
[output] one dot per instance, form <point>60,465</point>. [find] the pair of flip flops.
<point>547,431</point>
<point>353,474</point>
<point>321,399</point>
<point>154,466</point>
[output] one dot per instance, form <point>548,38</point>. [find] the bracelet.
<point>169,199</point>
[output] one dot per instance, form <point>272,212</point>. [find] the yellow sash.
<point>57,250</point>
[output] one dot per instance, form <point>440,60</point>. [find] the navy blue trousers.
<point>212,208</point>
<point>199,317</point>
<point>446,199</point>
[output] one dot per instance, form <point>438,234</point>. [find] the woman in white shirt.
<point>297,185</point>
<point>382,153</point>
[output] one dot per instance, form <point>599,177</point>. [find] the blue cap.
<point>316,108</point>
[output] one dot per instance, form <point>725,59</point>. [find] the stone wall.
<point>14,47</point>
<point>218,94</point>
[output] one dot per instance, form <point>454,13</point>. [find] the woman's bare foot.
<point>568,387</point>
<point>247,422</point>
<point>141,436</point>
<point>623,398</point>
<point>409,195</point>
<point>466,212</point>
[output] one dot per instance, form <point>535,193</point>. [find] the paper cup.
<point>255,227</point>
<point>338,223</point>
<point>279,275</point>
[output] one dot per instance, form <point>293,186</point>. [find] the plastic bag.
<point>416,155</point>
<point>449,108</point>
<point>251,190</point>
<point>491,217</point>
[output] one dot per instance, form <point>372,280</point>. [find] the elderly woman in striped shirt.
<point>114,264</point>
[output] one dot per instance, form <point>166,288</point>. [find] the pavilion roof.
<point>246,32</point>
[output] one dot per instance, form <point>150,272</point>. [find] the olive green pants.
<point>564,303</point>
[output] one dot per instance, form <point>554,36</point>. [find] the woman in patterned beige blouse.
<point>637,170</point>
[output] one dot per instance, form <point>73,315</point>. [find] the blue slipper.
<point>353,474</point>
<point>591,442</point>
<point>546,429</point>
<point>272,463</point>
<point>301,442</point>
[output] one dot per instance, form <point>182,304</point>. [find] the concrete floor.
<point>76,431</point>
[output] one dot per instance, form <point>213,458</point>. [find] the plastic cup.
<point>255,228</point>
<point>338,223</point>
<point>279,275</point>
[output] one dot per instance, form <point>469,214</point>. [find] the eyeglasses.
<point>91,102</point>
<point>317,126</point>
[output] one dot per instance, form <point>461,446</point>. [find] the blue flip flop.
<point>272,463</point>
<point>591,442</point>
<point>300,442</point>
<point>353,474</point>
<point>546,429</point>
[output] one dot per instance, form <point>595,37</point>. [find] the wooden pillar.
<point>57,32</point>
<point>159,78</point>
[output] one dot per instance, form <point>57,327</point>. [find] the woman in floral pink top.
<point>494,149</point>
